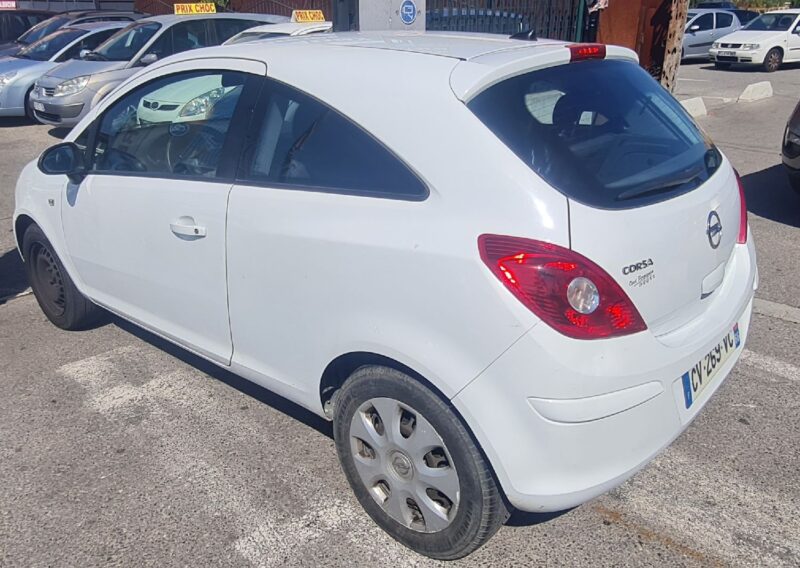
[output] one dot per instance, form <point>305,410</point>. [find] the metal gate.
<point>555,19</point>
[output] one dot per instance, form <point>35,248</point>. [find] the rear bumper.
<point>564,421</point>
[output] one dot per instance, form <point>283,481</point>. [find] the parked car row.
<point>57,71</point>
<point>768,41</point>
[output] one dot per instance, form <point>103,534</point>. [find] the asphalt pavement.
<point>117,449</point>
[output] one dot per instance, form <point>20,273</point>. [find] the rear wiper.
<point>653,189</point>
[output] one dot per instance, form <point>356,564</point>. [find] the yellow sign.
<point>304,16</point>
<point>188,9</point>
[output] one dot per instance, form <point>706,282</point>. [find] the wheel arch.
<point>21,224</point>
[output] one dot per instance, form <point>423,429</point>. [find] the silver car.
<point>19,72</point>
<point>65,94</point>
<point>703,27</point>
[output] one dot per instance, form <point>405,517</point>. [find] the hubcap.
<point>404,464</point>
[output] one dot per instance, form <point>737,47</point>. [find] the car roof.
<point>289,27</point>
<point>93,26</point>
<point>794,11</point>
<point>169,19</point>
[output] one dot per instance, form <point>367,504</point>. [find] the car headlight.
<point>6,78</point>
<point>203,103</point>
<point>71,86</point>
<point>750,46</point>
<point>715,45</point>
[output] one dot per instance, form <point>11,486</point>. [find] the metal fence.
<point>555,19</point>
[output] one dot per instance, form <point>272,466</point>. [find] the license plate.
<point>696,379</point>
<point>38,106</point>
<point>727,53</point>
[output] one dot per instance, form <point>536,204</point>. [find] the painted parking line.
<point>776,310</point>
<point>771,365</point>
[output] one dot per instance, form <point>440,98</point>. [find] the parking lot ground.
<point>119,449</point>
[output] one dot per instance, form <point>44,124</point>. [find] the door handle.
<point>186,227</point>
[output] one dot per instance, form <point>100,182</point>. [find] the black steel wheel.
<point>55,291</point>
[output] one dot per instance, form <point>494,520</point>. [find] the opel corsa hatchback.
<point>510,272</point>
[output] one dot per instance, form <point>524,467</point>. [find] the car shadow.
<point>244,386</point>
<point>739,68</point>
<point>59,132</point>
<point>769,195</point>
<point>13,279</point>
<point>16,122</point>
<point>525,519</point>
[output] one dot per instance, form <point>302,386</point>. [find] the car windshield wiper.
<point>656,188</point>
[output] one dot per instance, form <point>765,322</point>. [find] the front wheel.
<point>55,292</point>
<point>773,60</point>
<point>413,466</point>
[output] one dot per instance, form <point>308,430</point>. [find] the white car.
<point>511,272</point>
<point>281,30</point>
<point>769,41</point>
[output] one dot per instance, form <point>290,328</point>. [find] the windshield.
<point>602,132</point>
<point>42,29</point>
<point>772,22</point>
<point>48,46</point>
<point>127,42</point>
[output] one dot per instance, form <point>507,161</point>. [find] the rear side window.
<point>306,144</point>
<point>602,132</point>
<point>724,20</point>
<point>226,28</point>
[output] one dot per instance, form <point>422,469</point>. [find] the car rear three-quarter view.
<point>511,272</point>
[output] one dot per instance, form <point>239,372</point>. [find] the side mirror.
<point>148,59</point>
<point>84,53</point>
<point>694,28</point>
<point>63,159</point>
<point>797,30</point>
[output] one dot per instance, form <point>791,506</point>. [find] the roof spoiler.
<point>527,35</point>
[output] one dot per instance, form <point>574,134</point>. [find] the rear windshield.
<point>602,132</point>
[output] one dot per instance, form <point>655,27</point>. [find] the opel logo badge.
<point>714,230</point>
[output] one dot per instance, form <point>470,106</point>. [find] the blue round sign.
<point>408,12</point>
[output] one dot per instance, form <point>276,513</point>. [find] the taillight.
<point>742,238</point>
<point>583,51</point>
<point>564,289</point>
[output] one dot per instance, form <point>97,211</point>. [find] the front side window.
<point>192,34</point>
<point>42,29</point>
<point>175,126</point>
<point>602,132</point>
<point>704,22</point>
<point>126,43</point>
<point>47,47</point>
<point>305,143</point>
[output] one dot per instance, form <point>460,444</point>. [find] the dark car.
<point>791,148</point>
<point>45,27</point>
<point>14,23</point>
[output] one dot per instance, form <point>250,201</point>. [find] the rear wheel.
<point>413,466</point>
<point>55,292</point>
<point>773,60</point>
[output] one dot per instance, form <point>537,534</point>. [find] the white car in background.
<point>168,104</point>
<point>510,272</point>
<point>281,30</point>
<point>769,41</point>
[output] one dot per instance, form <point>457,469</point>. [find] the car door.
<point>725,23</point>
<point>700,35</point>
<point>145,229</point>
<point>793,42</point>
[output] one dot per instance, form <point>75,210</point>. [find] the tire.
<point>446,524</point>
<point>55,291</point>
<point>28,111</point>
<point>773,60</point>
<point>721,65</point>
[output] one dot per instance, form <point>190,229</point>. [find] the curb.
<point>756,92</point>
